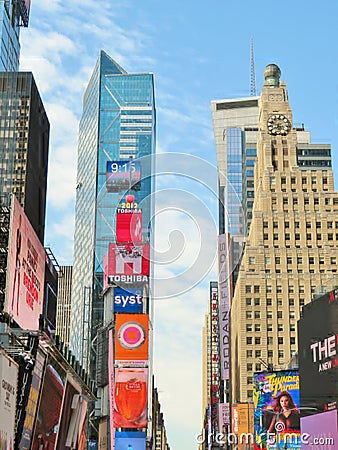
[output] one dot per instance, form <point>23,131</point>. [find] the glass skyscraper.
<point>13,15</point>
<point>118,123</point>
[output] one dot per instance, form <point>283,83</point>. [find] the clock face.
<point>278,124</point>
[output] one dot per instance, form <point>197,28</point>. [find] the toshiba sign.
<point>127,264</point>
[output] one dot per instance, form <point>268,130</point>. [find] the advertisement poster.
<point>131,397</point>
<point>73,413</point>
<point>132,440</point>
<point>25,271</point>
<point>127,264</point>
<point>8,392</point>
<point>111,388</point>
<point>128,300</point>
<point>131,337</point>
<point>129,226</point>
<point>276,413</point>
<point>33,400</point>
<point>48,417</point>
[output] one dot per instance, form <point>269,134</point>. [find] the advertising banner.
<point>50,407</point>
<point>130,440</point>
<point>25,271</point>
<point>129,226</point>
<point>123,175</point>
<point>111,375</point>
<point>215,368</point>
<point>319,431</point>
<point>131,337</point>
<point>224,287</point>
<point>127,264</point>
<point>131,397</point>
<point>33,400</point>
<point>128,301</point>
<point>224,417</point>
<point>73,413</point>
<point>277,413</point>
<point>318,351</point>
<point>8,393</point>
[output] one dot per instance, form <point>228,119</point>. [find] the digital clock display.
<point>123,175</point>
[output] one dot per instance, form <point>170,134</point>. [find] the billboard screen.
<point>123,175</point>
<point>127,264</point>
<point>8,393</point>
<point>48,418</point>
<point>130,397</point>
<point>135,440</point>
<point>25,271</point>
<point>131,337</point>
<point>318,351</point>
<point>320,431</point>
<point>128,225</point>
<point>224,287</point>
<point>111,383</point>
<point>128,300</point>
<point>277,410</point>
<point>73,413</point>
<point>215,366</point>
<point>33,400</point>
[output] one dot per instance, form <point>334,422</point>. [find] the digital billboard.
<point>48,417</point>
<point>8,393</point>
<point>111,383</point>
<point>25,271</point>
<point>33,399</point>
<point>131,337</point>
<point>276,410</point>
<point>224,286</point>
<point>128,225</point>
<point>128,300</point>
<point>215,366</point>
<point>127,264</point>
<point>319,431</point>
<point>318,351</point>
<point>130,398</point>
<point>72,417</point>
<point>123,175</point>
<point>132,440</point>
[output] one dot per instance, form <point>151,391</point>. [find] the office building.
<point>291,249</point>
<point>24,141</point>
<point>117,125</point>
<point>13,15</point>
<point>64,303</point>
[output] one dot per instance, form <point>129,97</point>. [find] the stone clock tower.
<point>291,250</point>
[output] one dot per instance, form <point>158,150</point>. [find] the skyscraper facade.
<point>117,124</point>
<point>292,246</point>
<point>24,142</point>
<point>13,15</point>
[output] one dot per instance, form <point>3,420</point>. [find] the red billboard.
<point>127,264</point>
<point>25,271</point>
<point>128,225</point>
<point>131,397</point>
<point>131,337</point>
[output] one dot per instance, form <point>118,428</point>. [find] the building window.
<point>257,327</point>
<point>270,353</point>
<point>268,288</point>
<point>251,260</point>
<point>280,341</point>
<point>249,340</point>
<point>257,340</point>
<point>280,354</point>
<point>270,340</point>
<point>292,327</point>
<point>258,367</point>
<point>287,225</point>
<point>277,260</point>
<point>287,236</point>
<point>333,260</point>
<point>280,327</point>
<point>249,368</point>
<point>280,314</point>
<point>292,340</point>
<point>249,353</point>
<point>258,353</point>
<point>247,288</point>
<point>289,260</point>
<point>311,260</point>
<point>267,260</point>
<point>265,224</point>
<point>248,327</point>
<point>265,236</point>
<point>291,301</point>
<point>291,289</point>
<point>279,289</point>
<point>248,301</point>
<point>269,327</point>
<point>248,314</point>
<point>257,315</point>
<point>256,289</point>
<point>269,301</point>
<point>257,301</point>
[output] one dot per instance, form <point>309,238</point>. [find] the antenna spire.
<point>252,70</point>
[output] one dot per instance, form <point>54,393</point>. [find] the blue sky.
<point>198,52</point>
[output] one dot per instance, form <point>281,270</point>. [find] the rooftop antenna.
<point>252,70</point>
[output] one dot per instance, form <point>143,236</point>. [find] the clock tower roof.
<point>272,75</point>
